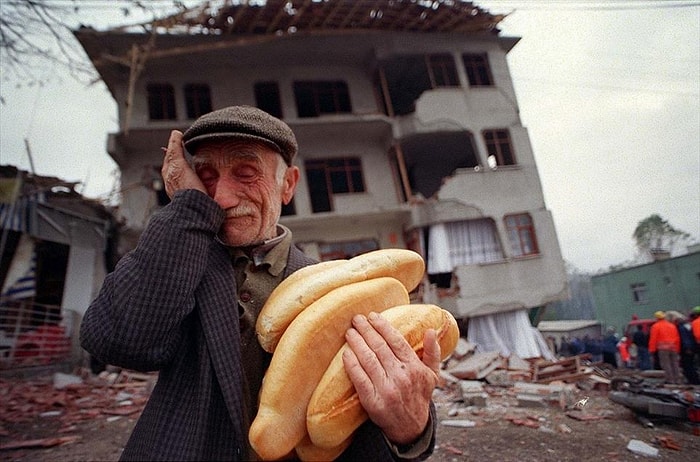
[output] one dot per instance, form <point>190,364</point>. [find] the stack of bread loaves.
<point>307,402</point>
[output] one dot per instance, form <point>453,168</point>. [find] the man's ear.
<point>291,177</point>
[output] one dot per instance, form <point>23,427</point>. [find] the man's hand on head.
<point>177,173</point>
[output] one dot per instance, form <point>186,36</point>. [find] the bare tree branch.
<point>36,36</point>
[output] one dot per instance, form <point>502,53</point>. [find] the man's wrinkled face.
<point>250,181</point>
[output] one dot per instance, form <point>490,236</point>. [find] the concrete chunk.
<point>642,449</point>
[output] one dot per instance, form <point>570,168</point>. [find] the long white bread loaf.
<point>309,452</point>
<point>305,286</point>
<point>302,356</point>
<point>334,411</point>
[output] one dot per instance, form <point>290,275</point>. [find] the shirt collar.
<point>273,252</point>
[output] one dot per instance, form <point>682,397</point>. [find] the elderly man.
<point>184,302</point>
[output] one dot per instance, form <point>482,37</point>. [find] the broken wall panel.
<point>430,158</point>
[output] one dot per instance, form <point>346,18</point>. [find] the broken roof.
<point>282,17</point>
<point>221,24</point>
<point>19,188</point>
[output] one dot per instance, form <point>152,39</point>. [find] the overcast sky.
<point>609,91</point>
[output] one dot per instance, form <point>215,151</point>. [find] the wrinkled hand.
<point>393,384</point>
<point>177,173</point>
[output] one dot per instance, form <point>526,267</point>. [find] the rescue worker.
<point>623,349</point>
<point>688,346</point>
<point>665,340</point>
<point>695,324</point>
<point>695,328</point>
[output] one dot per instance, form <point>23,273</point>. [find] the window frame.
<point>640,293</point>
<point>161,101</point>
<point>267,97</point>
<point>498,140</point>
<point>478,69</point>
<point>312,97</point>
<point>519,247</point>
<point>197,99</point>
<point>441,66</point>
<point>346,249</point>
<point>351,173</point>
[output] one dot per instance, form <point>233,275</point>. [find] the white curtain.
<point>508,333</point>
<point>439,260</point>
<point>462,243</point>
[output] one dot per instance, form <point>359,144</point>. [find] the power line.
<point>593,5</point>
<point>516,4</point>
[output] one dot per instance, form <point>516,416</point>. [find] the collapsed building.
<point>409,135</point>
<point>55,249</point>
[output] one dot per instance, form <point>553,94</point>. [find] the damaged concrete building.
<point>409,135</point>
<point>55,248</point>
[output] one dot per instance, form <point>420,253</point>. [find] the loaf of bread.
<point>309,284</point>
<point>305,349</point>
<point>308,452</point>
<point>334,410</point>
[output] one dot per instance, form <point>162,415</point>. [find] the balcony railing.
<point>32,334</point>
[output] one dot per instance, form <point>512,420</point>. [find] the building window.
<point>267,98</point>
<point>161,101</point>
<point>314,98</point>
<point>521,233</point>
<point>443,72</point>
<point>459,243</point>
<point>346,250</point>
<point>403,79</point>
<point>478,70</point>
<point>499,147</point>
<point>639,292</point>
<point>332,176</point>
<point>197,100</point>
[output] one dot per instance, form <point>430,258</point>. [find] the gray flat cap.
<point>242,122</point>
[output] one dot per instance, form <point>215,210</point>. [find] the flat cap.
<point>242,122</point>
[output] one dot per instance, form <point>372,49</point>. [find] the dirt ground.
<point>93,422</point>
<point>504,432</point>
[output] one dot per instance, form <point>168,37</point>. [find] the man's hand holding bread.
<point>347,345</point>
<point>393,384</point>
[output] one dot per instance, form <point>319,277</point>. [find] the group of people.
<point>671,344</point>
<point>598,347</point>
<point>674,345</point>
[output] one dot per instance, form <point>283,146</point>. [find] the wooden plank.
<point>565,377</point>
<point>477,366</point>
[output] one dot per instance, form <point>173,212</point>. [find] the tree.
<point>654,235</point>
<point>36,37</point>
<point>580,304</point>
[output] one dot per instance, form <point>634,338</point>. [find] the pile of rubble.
<point>71,399</point>
<point>483,388</point>
<point>470,379</point>
<point>467,364</point>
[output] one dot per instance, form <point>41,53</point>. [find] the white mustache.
<point>240,211</point>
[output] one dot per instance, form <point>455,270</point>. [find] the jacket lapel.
<point>216,298</point>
